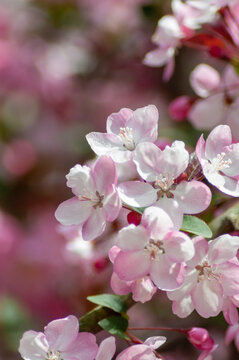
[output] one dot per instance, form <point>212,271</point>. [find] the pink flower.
<point>61,340</point>
<point>96,199</point>
<point>221,98</point>
<point>143,351</point>
<point>125,130</point>
<point>211,276</point>
<point>219,160</point>
<point>162,169</point>
<point>233,334</point>
<point>153,248</point>
<point>142,289</point>
<point>106,349</point>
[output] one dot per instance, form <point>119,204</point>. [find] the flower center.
<point>205,271</point>
<point>96,199</point>
<point>165,186</point>
<point>219,163</point>
<point>126,135</point>
<point>53,355</point>
<point>154,248</point>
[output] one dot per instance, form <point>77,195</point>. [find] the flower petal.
<point>223,248</point>
<point>178,246</point>
<point>33,346</point>
<point>216,141</point>
<point>94,226</point>
<point>104,174</point>
<point>132,265</point>
<point>73,211</point>
<point>132,238</point>
<point>84,347</point>
<point>118,120</point>
<point>137,193</point>
<point>61,333</point>
<point>106,349</point>
<point>193,196</point>
<point>155,341</point>
<point>157,222</point>
<point>112,204</point>
<point>167,275</point>
<point>207,297</point>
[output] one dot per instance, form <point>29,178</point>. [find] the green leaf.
<point>114,302</point>
<point>139,210</point>
<point>194,225</point>
<point>115,325</point>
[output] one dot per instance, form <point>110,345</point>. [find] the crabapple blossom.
<point>125,130</point>
<point>162,170</point>
<point>142,289</point>
<point>61,340</point>
<point>219,157</point>
<point>96,199</point>
<point>153,248</point>
<point>220,103</point>
<point>143,351</point>
<point>211,276</point>
<point>106,349</point>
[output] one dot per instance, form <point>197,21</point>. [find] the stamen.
<point>165,186</point>
<point>126,135</point>
<point>219,163</point>
<point>96,199</point>
<point>154,248</point>
<point>53,355</point>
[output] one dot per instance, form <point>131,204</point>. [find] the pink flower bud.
<point>200,338</point>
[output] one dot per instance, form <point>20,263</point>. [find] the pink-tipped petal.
<point>119,286</point>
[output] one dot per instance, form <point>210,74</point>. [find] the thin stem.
<point>160,328</point>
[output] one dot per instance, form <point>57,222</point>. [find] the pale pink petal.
<point>204,79</point>
<point>157,222</point>
<point>208,113</point>
<point>213,176</point>
<point>148,159</point>
<point>223,248</point>
<point>207,297</point>
<point>201,250</point>
<point>137,352</point>
<point>119,286</point>
<point>104,174</point>
<point>217,140</point>
<point>33,346</point>
<point>167,275</point>
<point>108,144</point>
<point>231,333</point>
<point>61,333</point>
<point>132,265</point>
<point>144,122</point>
<point>172,208</point>
<point>106,349</point>
<point>73,211</point>
<point>84,347</point>
<point>143,290</point>
<point>137,193</point>
<point>118,120</point>
<point>175,159</point>
<point>232,154</point>
<point>132,238</point>
<point>159,56</point>
<point>230,312</point>
<point>184,307</point>
<point>230,278</point>
<point>169,69</point>
<point>112,204</point>
<point>113,252</point>
<point>155,341</point>
<point>178,246</point>
<point>230,186</point>
<point>79,178</point>
<point>200,149</point>
<point>193,196</point>
<point>185,289</point>
<point>94,226</point>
